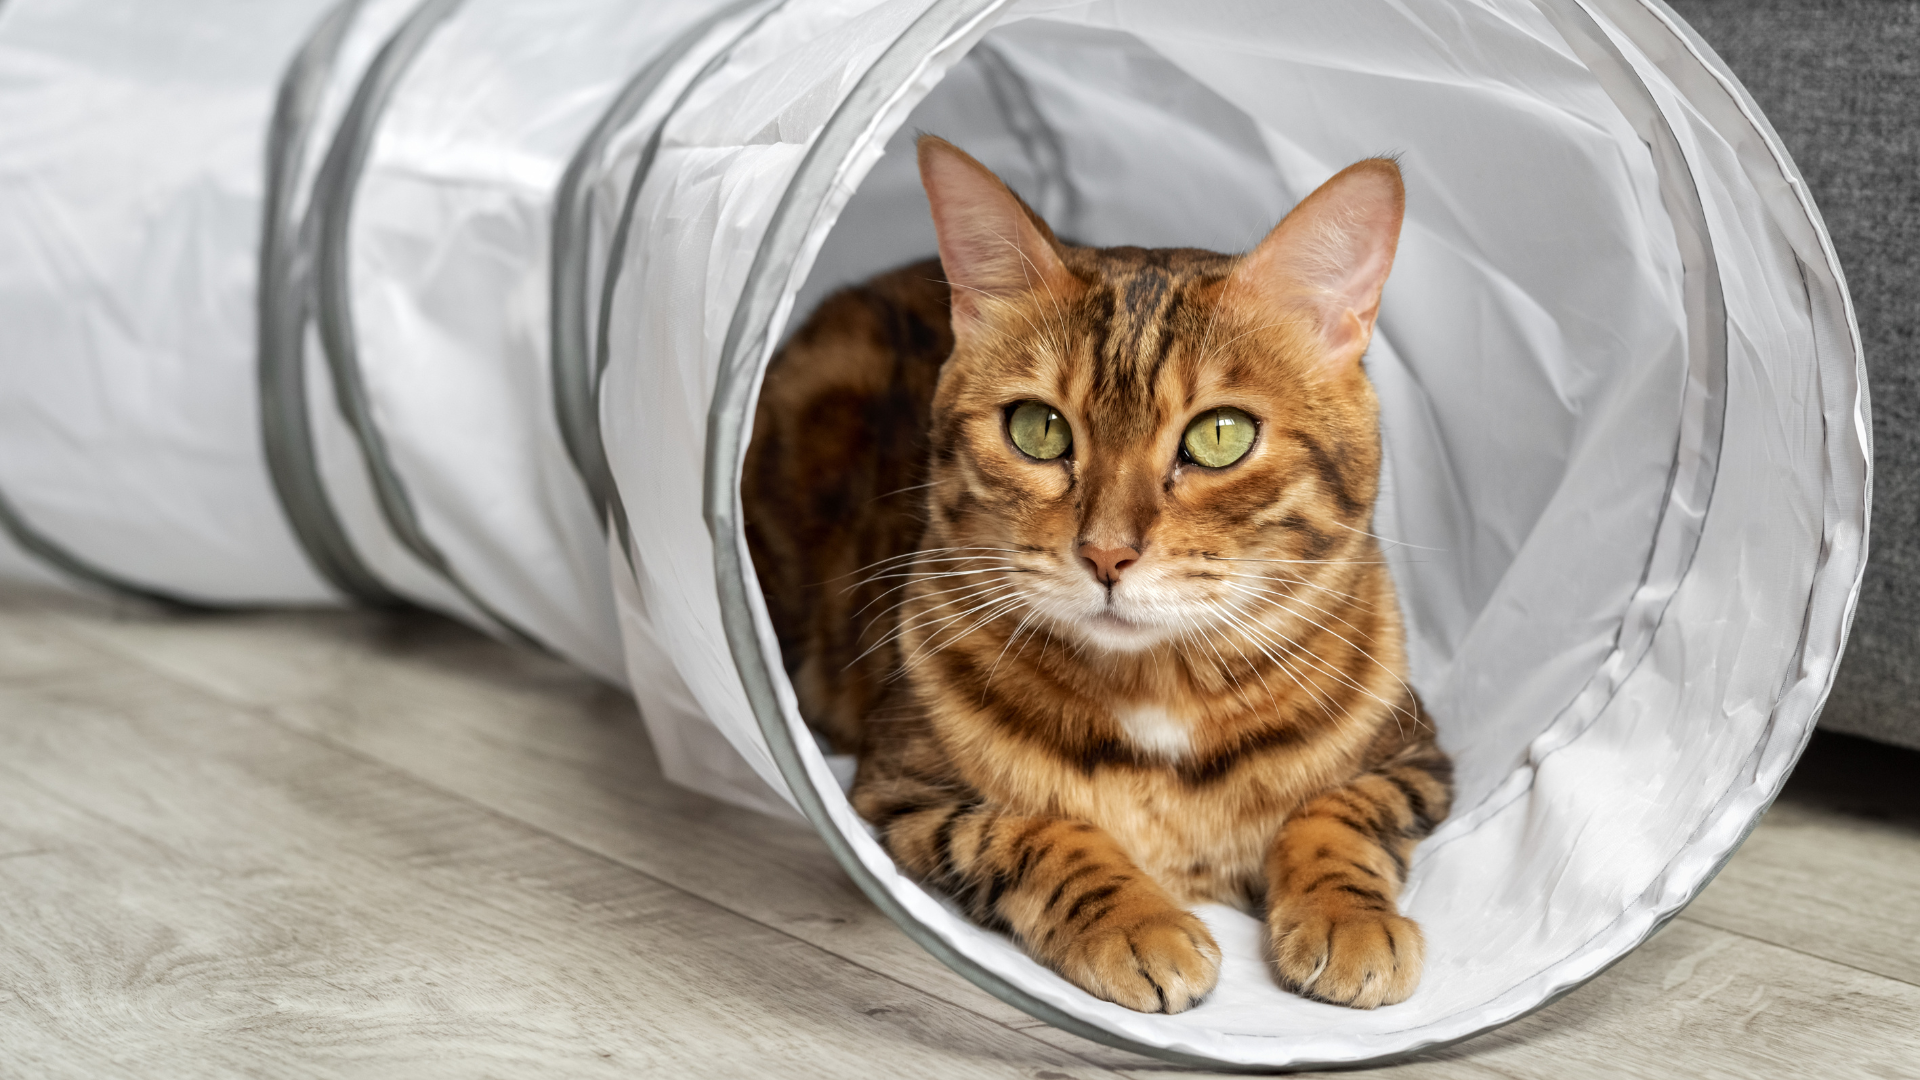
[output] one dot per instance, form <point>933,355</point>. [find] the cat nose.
<point>1107,562</point>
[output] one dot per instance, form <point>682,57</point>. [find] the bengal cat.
<point>1071,546</point>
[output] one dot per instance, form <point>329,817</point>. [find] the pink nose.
<point>1107,562</point>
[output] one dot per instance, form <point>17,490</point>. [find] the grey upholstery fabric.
<point>1840,80</point>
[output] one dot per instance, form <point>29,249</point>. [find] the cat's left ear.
<point>1328,261</point>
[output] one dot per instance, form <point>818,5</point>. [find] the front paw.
<point>1344,955</point>
<point>1160,961</point>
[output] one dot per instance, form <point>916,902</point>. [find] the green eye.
<point>1039,430</point>
<point>1219,437</point>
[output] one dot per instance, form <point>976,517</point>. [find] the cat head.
<point>1156,443</point>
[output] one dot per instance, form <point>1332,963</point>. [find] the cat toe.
<point>1360,958</point>
<point>1165,964</point>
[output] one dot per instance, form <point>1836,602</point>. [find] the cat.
<point>1071,546</point>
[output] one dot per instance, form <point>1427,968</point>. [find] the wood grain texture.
<point>1701,1002</point>
<point>212,894</point>
<point>537,741</point>
<point>322,844</point>
<point>1694,1002</point>
<point>1827,883</point>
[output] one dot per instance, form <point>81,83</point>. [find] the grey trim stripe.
<point>727,431</point>
<point>576,371</point>
<point>284,308</point>
<point>333,197</point>
<point>616,263</point>
<point>38,544</point>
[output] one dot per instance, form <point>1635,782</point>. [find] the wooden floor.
<point>344,844</point>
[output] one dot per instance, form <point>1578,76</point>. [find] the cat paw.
<point>1346,956</point>
<point>1165,962</point>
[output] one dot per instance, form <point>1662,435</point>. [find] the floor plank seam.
<point>1710,924</point>
<point>268,715</point>
<point>676,887</point>
<point>863,960</point>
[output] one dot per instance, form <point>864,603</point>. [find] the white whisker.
<point>1308,656</point>
<point>931,645</point>
<point>1031,615</point>
<point>1386,540</point>
<point>1260,641</point>
<point>918,620</point>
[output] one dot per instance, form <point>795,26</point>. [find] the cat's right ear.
<point>1329,260</point>
<point>991,245</point>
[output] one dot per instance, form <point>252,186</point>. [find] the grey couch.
<point>1840,80</point>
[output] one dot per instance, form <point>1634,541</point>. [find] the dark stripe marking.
<point>1091,896</point>
<point>1060,889</point>
<point>1330,474</point>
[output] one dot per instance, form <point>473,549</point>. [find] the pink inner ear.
<point>990,246</point>
<point>1331,256</point>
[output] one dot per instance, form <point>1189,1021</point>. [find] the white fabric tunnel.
<point>466,304</point>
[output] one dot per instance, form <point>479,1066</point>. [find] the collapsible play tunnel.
<point>467,304</point>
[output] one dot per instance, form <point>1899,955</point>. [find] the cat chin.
<point>1115,634</point>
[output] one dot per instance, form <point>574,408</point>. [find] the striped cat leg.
<point>1068,892</point>
<point>1333,875</point>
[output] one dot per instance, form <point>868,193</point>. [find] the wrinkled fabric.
<point>1624,421</point>
<point>131,142</point>
<point>1607,590</point>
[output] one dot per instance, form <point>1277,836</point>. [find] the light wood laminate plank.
<point>536,740</point>
<point>1701,1003</point>
<point>214,895</point>
<point>1825,883</point>
<point>540,743</point>
<point>1694,1003</point>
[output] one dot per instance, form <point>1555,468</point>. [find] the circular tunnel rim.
<point>742,360</point>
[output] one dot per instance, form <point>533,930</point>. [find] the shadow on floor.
<point>1850,775</point>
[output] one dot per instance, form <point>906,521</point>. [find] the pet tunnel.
<point>466,305</point>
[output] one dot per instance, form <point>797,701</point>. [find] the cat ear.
<point>991,244</point>
<point>1329,259</point>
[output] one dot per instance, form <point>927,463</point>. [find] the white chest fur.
<point>1153,730</point>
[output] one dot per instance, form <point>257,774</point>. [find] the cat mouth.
<point>1112,630</point>
<point>1111,626</point>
